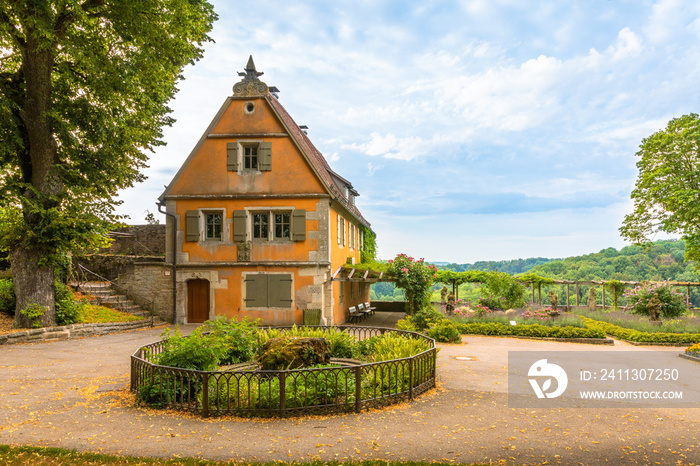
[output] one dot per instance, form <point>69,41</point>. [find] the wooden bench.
<point>369,309</point>
<point>363,310</point>
<point>354,314</point>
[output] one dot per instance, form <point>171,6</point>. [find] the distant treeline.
<point>512,267</point>
<point>662,260</point>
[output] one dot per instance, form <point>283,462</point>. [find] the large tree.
<point>84,87</point>
<point>667,193</point>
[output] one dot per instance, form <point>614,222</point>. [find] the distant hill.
<point>663,260</point>
<point>512,267</point>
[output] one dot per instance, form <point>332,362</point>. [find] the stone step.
<point>95,286</point>
<point>102,293</point>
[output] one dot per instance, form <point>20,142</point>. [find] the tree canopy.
<point>667,191</point>
<point>84,87</point>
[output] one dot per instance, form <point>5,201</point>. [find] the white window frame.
<point>202,217</point>
<point>270,211</point>
<point>242,144</point>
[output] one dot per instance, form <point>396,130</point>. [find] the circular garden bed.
<point>359,375</point>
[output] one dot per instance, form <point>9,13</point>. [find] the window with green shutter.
<point>239,226</point>
<point>268,290</point>
<point>299,225</point>
<point>232,156</point>
<point>192,225</point>
<point>265,151</point>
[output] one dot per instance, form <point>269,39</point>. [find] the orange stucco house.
<point>262,220</point>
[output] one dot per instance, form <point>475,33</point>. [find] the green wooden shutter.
<point>299,225</point>
<point>256,290</point>
<point>279,290</point>
<point>265,156</point>
<point>192,225</point>
<point>232,156</point>
<point>239,226</point>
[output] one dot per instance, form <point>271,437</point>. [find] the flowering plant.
<point>415,278</point>
<point>540,314</point>
<point>473,310</point>
<point>672,301</point>
<point>693,350</point>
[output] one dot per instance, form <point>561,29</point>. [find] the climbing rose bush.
<point>672,300</point>
<point>415,278</point>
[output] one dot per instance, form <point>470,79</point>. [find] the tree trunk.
<point>34,283</point>
<point>33,286</point>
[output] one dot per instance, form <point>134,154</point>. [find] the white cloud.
<point>628,45</point>
<point>391,147</point>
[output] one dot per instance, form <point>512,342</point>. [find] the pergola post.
<point>603,287</point>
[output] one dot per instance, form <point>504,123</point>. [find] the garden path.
<point>72,394</point>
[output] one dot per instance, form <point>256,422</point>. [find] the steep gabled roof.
<point>251,86</point>
<point>316,159</point>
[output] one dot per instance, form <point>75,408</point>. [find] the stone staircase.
<point>103,294</point>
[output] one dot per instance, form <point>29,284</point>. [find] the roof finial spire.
<point>250,85</point>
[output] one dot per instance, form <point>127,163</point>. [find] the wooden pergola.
<point>602,284</point>
<point>347,273</point>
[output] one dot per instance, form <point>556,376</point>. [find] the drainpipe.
<point>174,273</point>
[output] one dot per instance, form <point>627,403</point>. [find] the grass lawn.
<point>88,314</point>
<point>92,314</point>
<point>13,455</point>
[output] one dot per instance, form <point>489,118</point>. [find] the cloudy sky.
<point>473,129</point>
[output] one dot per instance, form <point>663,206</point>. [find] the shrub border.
<point>143,372</point>
<point>495,329</point>
<point>635,337</point>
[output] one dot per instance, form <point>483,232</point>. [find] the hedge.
<point>640,337</point>
<point>528,330</point>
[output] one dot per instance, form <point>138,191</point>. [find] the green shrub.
<point>68,308</point>
<point>672,301</point>
<point>407,324</point>
<point>444,331</point>
<point>7,296</point>
<point>502,291</point>
<point>396,346</point>
<point>641,337</point>
<point>426,316</point>
<point>234,339</point>
<point>529,330</point>
<point>34,312</point>
<point>192,352</point>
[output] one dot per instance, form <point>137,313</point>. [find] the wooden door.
<point>197,301</point>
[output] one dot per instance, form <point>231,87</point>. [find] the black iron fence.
<point>351,386</point>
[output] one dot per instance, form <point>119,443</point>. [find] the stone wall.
<point>389,306</point>
<point>137,240</point>
<point>150,285</point>
<point>67,332</point>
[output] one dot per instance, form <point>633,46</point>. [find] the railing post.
<point>358,389</point>
<point>205,394</point>
<point>283,395</point>
<point>410,378</point>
